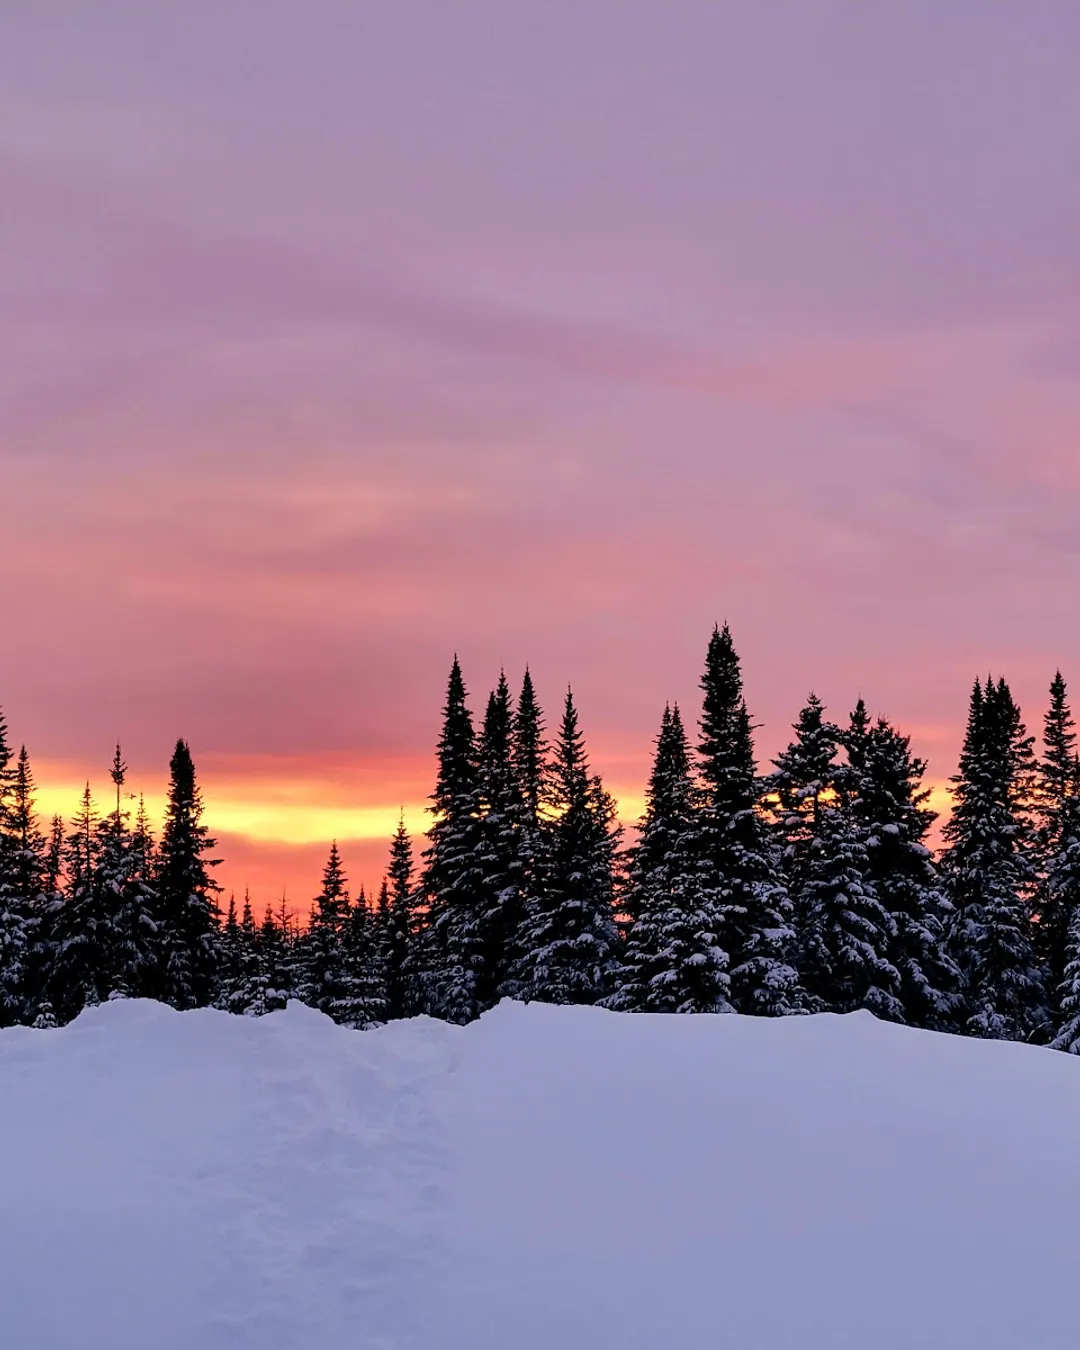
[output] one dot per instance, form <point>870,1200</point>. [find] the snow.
<point>546,1177</point>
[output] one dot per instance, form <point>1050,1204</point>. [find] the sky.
<point>337,337</point>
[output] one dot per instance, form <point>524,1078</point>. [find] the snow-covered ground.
<point>546,1179</point>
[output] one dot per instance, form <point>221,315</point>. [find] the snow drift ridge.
<point>543,1177</point>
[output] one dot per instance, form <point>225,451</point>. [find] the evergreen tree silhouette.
<point>890,811</point>
<point>323,979</point>
<point>402,928</point>
<point>15,902</point>
<point>1058,842</point>
<point>187,908</point>
<point>570,941</point>
<point>742,882</point>
<point>502,826</point>
<point>672,960</point>
<point>453,881</point>
<point>989,872</point>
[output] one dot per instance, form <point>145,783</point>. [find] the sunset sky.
<point>339,335</point>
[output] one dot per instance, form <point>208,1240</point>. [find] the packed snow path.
<point>546,1179</point>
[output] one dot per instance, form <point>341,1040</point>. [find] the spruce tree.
<point>570,941</point>
<point>529,749</point>
<point>187,908</point>
<point>365,949</point>
<point>893,820</point>
<point>29,843</point>
<point>127,903</point>
<point>45,937</point>
<point>1058,838</point>
<point>227,993</point>
<point>503,815</point>
<point>453,882</point>
<point>742,883</point>
<point>276,970</point>
<point>79,976</point>
<point>803,778</point>
<point>15,903</point>
<point>844,933</point>
<point>672,960</point>
<point>323,979</point>
<point>804,775</point>
<point>249,996</point>
<point>848,933</point>
<point>1067,1031</point>
<point>989,872</point>
<point>54,856</point>
<point>31,885</point>
<point>402,928</point>
<point>530,757</point>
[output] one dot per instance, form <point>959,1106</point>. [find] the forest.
<point>808,888</point>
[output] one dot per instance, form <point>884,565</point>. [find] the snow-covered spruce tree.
<point>229,960</point>
<point>402,926</point>
<point>187,907</point>
<point>365,1004</point>
<point>249,994</point>
<point>502,820</point>
<point>30,864</point>
<point>103,933</point>
<point>530,756</point>
<point>671,960</point>
<point>323,980</point>
<point>848,934</point>
<point>989,872</point>
<point>1067,1030</point>
<point>803,775</point>
<point>742,881</point>
<point>129,928</point>
<point>45,948</point>
<point>14,902</point>
<point>888,802</point>
<point>78,976</point>
<point>844,933</point>
<point>54,856</point>
<point>1058,841</point>
<point>29,843</point>
<point>277,966</point>
<point>570,941</point>
<point>453,880</point>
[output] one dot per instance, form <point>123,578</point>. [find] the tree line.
<point>808,888</point>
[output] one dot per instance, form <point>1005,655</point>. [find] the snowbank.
<point>546,1179</point>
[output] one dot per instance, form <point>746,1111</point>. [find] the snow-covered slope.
<point>546,1179</point>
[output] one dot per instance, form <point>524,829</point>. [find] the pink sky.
<point>337,337</point>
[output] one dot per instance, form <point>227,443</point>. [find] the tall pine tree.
<point>741,879</point>
<point>79,976</point>
<point>402,928</point>
<point>530,756</point>
<point>1058,847</point>
<point>893,819</point>
<point>844,933</point>
<point>15,903</point>
<point>989,872</point>
<point>187,906</point>
<point>570,941</point>
<point>365,962</point>
<point>324,977</point>
<point>672,960</point>
<point>32,884</point>
<point>503,822</point>
<point>453,881</point>
<point>127,900</point>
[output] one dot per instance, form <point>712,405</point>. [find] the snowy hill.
<point>547,1177</point>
